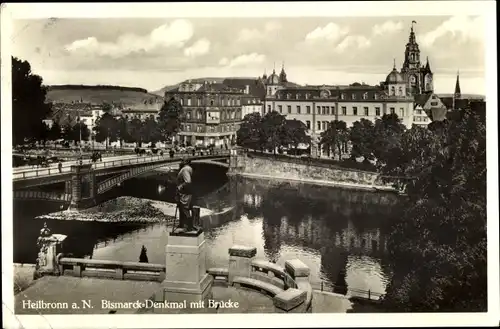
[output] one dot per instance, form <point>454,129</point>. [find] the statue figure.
<point>46,258</point>
<point>184,195</point>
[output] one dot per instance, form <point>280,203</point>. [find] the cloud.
<point>462,27</point>
<point>388,27</point>
<point>354,41</point>
<point>246,35</point>
<point>331,32</point>
<point>243,60</point>
<point>199,48</point>
<point>173,35</point>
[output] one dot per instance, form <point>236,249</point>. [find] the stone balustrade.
<point>289,286</point>
<point>81,267</point>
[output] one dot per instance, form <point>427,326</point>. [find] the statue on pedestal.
<point>184,197</point>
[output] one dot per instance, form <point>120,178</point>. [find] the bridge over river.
<point>81,186</point>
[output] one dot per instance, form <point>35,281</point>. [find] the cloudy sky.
<point>151,52</point>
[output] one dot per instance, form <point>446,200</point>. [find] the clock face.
<point>413,79</point>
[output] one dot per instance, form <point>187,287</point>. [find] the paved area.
<point>69,295</point>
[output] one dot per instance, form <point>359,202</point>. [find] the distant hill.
<point>99,94</point>
<point>161,92</point>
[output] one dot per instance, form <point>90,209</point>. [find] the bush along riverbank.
<point>123,210</point>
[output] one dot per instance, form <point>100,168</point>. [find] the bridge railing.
<point>54,170</point>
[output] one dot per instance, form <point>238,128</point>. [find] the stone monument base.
<point>186,280</point>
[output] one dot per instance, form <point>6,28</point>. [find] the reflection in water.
<point>339,234</point>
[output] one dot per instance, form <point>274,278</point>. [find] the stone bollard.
<point>240,259</point>
<point>298,270</point>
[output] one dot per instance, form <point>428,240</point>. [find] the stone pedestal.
<point>240,260</point>
<point>186,278</point>
<point>50,246</point>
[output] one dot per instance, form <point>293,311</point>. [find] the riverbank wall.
<point>305,171</point>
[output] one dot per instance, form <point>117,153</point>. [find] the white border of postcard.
<point>252,9</point>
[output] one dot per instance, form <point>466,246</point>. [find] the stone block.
<point>242,251</point>
<point>289,299</point>
<point>119,272</point>
<point>296,268</point>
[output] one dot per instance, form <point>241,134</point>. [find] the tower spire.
<point>458,93</point>
<point>274,67</point>
<point>394,65</point>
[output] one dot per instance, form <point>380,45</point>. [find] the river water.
<point>339,233</point>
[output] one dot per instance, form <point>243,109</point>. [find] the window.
<point>323,110</point>
<point>269,108</point>
<point>307,96</point>
<point>344,110</point>
<point>289,108</point>
<point>298,109</point>
<point>189,102</point>
<point>280,108</point>
<point>419,112</point>
<point>365,96</point>
<point>211,102</point>
<point>401,112</point>
<point>353,96</point>
<point>308,109</point>
<point>325,125</point>
<point>308,124</point>
<point>319,110</point>
<point>393,110</point>
<point>434,103</point>
<point>181,101</point>
<point>238,102</point>
<point>319,125</point>
<point>400,89</point>
<point>342,96</point>
<point>199,101</point>
<point>377,111</point>
<point>188,127</point>
<point>328,110</point>
<point>188,115</point>
<point>354,110</point>
<point>393,90</point>
<point>366,111</point>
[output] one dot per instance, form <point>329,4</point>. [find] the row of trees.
<point>270,132</point>
<point>110,129</point>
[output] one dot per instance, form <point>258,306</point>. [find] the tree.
<point>170,117</point>
<point>55,131</point>
<point>135,131</point>
<point>249,134</point>
<point>123,130</point>
<point>106,108</point>
<point>387,136</point>
<point>294,133</point>
<point>272,125</point>
<point>106,129</point>
<point>439,245</point>
<point>28,103</point>
<point>72,133</point>
<point>44,133</point>
<point>150,131</point>
<point>335,137</point>
<point>361,136</point>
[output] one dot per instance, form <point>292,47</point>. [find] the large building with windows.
<point>212,112</point>
<point>401,93</point>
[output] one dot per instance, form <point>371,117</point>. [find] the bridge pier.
<point>83,187</point>
<point>236,162</point>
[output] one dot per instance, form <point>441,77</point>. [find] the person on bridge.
<point>60,166</point>
<point>171,153</point>
<point>184,194</point>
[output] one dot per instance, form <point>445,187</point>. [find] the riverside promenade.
<point>62,291</point>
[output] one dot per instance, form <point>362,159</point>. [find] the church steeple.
<point>458,93</point>
<point>283,74</point>
<point>412,52</point>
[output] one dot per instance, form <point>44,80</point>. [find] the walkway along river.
<point>339,233</point>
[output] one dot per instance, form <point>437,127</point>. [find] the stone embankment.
<point>122,210</point>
